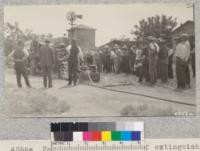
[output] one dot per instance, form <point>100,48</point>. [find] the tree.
<point>11,34</point>
<point>157,26</point>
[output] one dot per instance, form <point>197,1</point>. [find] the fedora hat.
<point>161,40</point>
<point>47,41</point>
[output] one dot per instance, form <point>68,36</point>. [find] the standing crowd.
<point>150,59</point>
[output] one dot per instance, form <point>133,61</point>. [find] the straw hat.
<point>116,46</point>
<point>151,38</point>
<point>177,37</point>
<point>106,47</point>
<point>184,35</point>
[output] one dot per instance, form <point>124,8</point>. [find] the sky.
<point>110,21</point>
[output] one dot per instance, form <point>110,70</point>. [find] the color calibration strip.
<point>101,131</point>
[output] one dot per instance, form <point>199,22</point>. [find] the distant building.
<point>60,40</point>
<point>188,28</point>
<point>120,43</point>
<point>84,35</point>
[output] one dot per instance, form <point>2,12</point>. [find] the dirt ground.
<point>85,100</point>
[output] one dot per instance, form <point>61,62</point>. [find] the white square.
<point>139,126</point>
<point>52,136</point>
<point>120,126</point>
<point>77,136</point>
<point>129,126</point>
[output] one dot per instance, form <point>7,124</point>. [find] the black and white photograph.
<point>98,60</point>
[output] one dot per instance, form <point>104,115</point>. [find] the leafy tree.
<point>11,34</point>
<point>157,26</point>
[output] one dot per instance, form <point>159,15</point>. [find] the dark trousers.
<point>153,69</point>
<point>193,64</point>
<point>47,76</point>
<point>187,73</point>
<point>170,67</point>
<point>125,64</point>
<point>141,73</point>
<point>107,64</point>
<point>73,70</point>
<point>182,73</point>
<point>144,72</point>
<point>163,71</point>
<point>21,71</point>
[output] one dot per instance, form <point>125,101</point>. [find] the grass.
<point>146,109</point>
<point>32,102</point>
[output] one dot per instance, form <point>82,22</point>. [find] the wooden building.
<point>84,35</point>
<point>187,28</point>
<point>120,43</point>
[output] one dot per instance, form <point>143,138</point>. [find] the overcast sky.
<point>110,21</point>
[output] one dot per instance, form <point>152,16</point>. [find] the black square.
<point>55,127</point>
<point>66,127</point>
<point>83,126</point>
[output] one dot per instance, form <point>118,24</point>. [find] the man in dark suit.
<point>73,62</point>
<point>47,61</point>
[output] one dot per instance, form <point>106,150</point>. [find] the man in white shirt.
<point>153,59</point>
<point>182,54</point>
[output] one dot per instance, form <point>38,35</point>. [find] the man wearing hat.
<point>131,58</point>
<point>20,56</point>
<point>118,59</point>
<point>163,60</point>
<point>107,55</point>
<point>73,62</point>
<point>153,59</point>
<point>47,61</point>
<point>182,54</point>
<point>139,61</point>
<point>125,62</point>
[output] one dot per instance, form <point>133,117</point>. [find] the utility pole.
<point>192,5</point>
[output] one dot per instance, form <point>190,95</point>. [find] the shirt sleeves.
<point>188,50</point>
<point>11,55</point>
<point>80,54</point>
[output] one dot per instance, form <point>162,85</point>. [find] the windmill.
<point>72,17</point>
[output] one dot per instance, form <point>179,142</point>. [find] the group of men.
<point>47,59</point>
<point>149,59</point>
